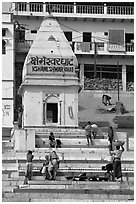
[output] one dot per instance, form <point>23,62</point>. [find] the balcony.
<point>102,48</point>
<point>23,45</point>
<point>24,7</point>
<point>82,47</point>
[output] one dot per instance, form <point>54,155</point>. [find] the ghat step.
<point>64,197</point>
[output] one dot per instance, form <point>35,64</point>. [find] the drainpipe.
<point>60,112</point>
<point>95,55</point>
<point>64,108</point>
<point>118,78</point>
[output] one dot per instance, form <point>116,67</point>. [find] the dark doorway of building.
<point>52,112</point>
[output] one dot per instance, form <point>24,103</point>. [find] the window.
<point>87,37</point>
<point>68,35</point>
<point>116,37</point>
<point>105,33</point>
<point>129,37</point>
<point>3,47</point>
<point>34,31</point>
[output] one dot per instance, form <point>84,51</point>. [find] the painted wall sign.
<point>7,113</point>
<point>43,64</point>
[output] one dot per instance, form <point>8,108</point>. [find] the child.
<point>52,141</point>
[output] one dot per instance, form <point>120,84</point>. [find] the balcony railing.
<point>120,10</point>
<point>129,47</point>
<point>78,47</point>
<point>90,9</point>
<point>34,7</point>
<point>60,8</point>
<point>73,8</point>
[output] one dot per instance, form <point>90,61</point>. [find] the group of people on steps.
<point>114,165</point>
<point>49,168</point>
<point>51,164</point>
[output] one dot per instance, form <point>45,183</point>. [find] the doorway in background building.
<point>52,112</point>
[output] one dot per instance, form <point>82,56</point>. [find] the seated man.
<point>109,168</point>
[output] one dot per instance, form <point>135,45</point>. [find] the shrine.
<point>49,88</point>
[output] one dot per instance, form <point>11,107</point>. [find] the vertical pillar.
<point>124,77</point>
<point>44,7</point>
<point>105,9</point>
<point>74,7</point>
<point>28,6</point>
<point>82,75</point>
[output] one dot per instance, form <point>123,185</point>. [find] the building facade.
<point>100,34</point>
<point>7,70</point>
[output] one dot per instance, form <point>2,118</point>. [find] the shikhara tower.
<point>50,86</point>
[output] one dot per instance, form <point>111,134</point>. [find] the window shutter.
<point>116,40</point>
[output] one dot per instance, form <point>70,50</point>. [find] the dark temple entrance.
<point>52,112</point>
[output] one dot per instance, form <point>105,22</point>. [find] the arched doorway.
<point>52,110</point>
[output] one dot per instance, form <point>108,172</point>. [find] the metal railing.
<point>71,8</point>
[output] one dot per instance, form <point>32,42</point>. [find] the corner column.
<point>82,75</point>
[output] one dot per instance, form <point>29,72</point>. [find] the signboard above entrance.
<point>44,64</point>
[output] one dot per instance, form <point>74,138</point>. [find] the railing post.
<point>74,7</point>
<point>105,9</point>
<point>44,7</point>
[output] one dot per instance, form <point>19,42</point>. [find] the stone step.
<point>106,185</point>
<point>64,197</point>
<point>71,136</point>
<point>68,154</point>
<point>20,178</point>
<point>75,172</point>
<point>68,142</point>
<point>77,185</point>
<point>83,160</point>
<point>10,174</point>
<point>126,167</point>
<point>76,190</point>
